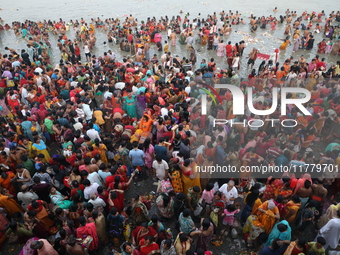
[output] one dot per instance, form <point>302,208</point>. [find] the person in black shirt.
<point>295,67</point>
<point>179,204</point>
<point>41,189</point>
<point>184,148</point>
<point>307,217</point>
<point>25,58</point>
<point>310,43</point>
<point>253,28</point>
<point>177,143</point>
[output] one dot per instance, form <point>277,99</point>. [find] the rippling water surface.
<point>141,9</point>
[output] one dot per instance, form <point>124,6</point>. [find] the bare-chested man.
<point>306,32</point>
<point>305,192</point>
<point>288,29</point>
<point>319,191</point>
<point>289,19</point>
<point>173,38</point>
<point>139,55</point>
<point>15,154</point>
<point>12,51</point>
<point>138,58</point>
<point>62,30</point>
<point>241,47</point>
<point>73,247</point>
<point>296,24</point>
<point>107,58</point>
<point>228,30</point>
<point>302,61</point>
<point>164,58</point>
<point>37,37</point>
<point>252,57</point>
<point>92,41</point>
<point>147,50</point>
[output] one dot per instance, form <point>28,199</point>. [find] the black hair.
<point>186,213</point>
<point>183,237</point>
<point>206,224</point>
<point>209,186</point>
<point>282,227</point>
<point>82,220</point>
<point>321,240</point>
<point>166,200</point>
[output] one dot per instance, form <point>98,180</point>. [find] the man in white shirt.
<point>26,197</point>
<point>87,52</point>
<point>92,133</point>
<point>87,110</point>
<point>89,188</point>
<point>74,83</point>
<point>164,110</point>
<point>230,192</point>
<point>16,63</point>
<point>3,148</point>
<point>188,89</point>
<point>112,55</point>
<point>291,76</point>
<point>97,202</point>
<point>77,125</point>
<point>189,41</point>
<point>107,93</point>
<point>25,110</point>
<point>80,112</point>
<point>169,32</point>
<point>94,177</point>
<point>160,168</point>
<point>30,50</point>
<point>24,94</point>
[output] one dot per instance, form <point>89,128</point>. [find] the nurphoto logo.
<point>238,100</point>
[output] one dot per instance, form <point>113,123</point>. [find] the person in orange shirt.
<point>280,75</point>
<point>286,67</point>
<point>267,214</point>
<point>146,123</point>
<point>307,139</point>
<point>6,180</point>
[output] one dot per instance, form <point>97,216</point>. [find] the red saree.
<point>138,235</point>
<point>148,249</point>
<point>89,230</point>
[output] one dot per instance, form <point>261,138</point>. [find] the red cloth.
<point>75,190</point>
<point>42,113</point>
<point>118,202</point>
<point>263,56</point>
<point>88,230</point>
<point>301,182</point>
<point>147,249</point>
<point>118,110</point>
<point>111,179</point>
<point>229,49</point>
<point>138,235</point>
<point>293,182</point>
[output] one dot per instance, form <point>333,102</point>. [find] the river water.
<point>141,9</point>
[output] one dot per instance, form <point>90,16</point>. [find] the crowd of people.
<point>76,135</point>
